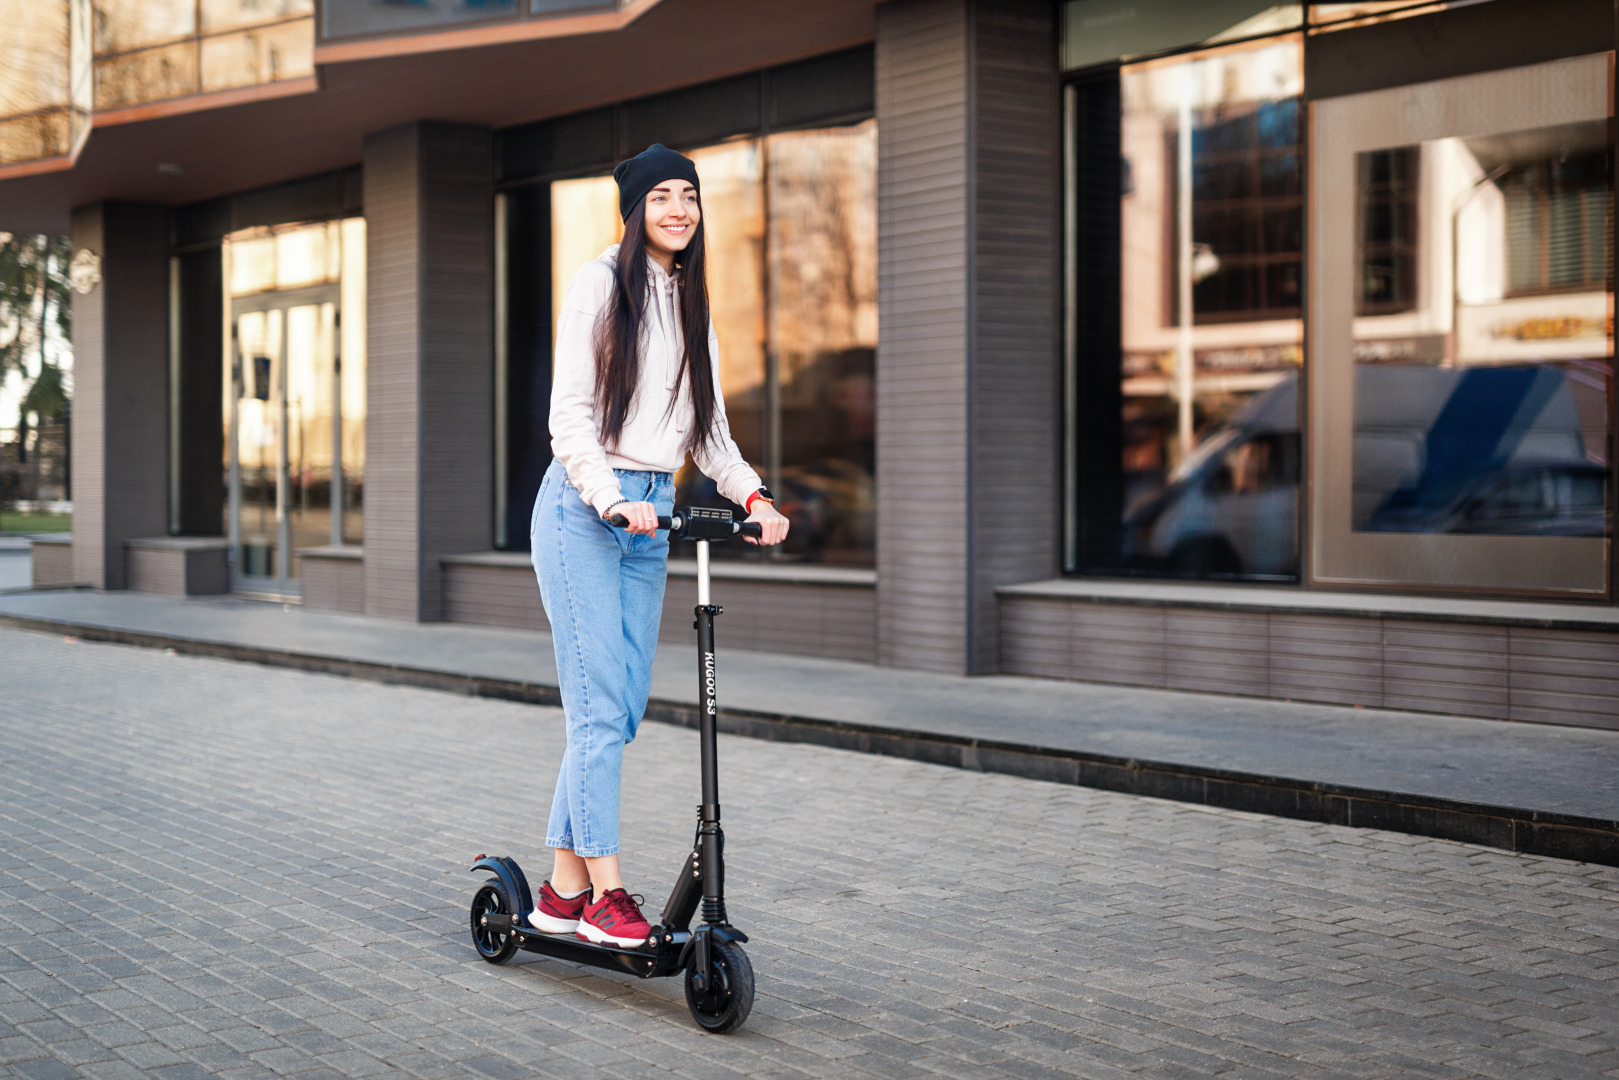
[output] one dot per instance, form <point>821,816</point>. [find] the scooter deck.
<point>646,961</point>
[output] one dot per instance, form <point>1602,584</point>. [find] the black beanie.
<point>640,174</point>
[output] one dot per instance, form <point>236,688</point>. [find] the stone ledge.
<point>779,573</point>
<point>1286,600</point>
<point>179,543</point>
<point>719,569</point>
<point>353,552</point>
<point>178,565</point>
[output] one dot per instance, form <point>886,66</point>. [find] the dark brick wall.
<point>922,299</point>
<point>430,368</point>
<point>120,399</point>
<point>969,223</point>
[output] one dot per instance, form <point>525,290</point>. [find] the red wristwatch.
<point>762,493</point>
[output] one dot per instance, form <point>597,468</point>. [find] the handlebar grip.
<point>750,528</point>
<point>619,521</point>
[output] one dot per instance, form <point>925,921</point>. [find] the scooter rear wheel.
<point>728,998</point>
<point>493,946</point>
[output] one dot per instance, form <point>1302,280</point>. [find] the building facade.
<point>1256,348</point>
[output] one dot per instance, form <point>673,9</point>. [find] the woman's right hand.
<point>642,517</point>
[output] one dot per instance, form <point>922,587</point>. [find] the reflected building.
<point>1224,345</point>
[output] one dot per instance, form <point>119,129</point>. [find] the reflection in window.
<point>1387,231</point>
<point>154,50</point>
<point>298,294</point>
<point>1247,211</point>
<point>1345,16</point>
<point>822,318</point>
<point>1482,406</point>
<point>35,104</point>
<point>344,18</point>
<point>1558,223</point>
<point>1210,330</point>
<point>352,18</point>
<point>790,222</point>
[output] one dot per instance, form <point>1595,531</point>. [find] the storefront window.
<point>790,221</point>
<point>1470,323</point>
<point>294,400</point>
<point>1210,277</point>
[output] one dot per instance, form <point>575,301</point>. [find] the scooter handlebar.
<point>619,521</point>
<point>676,524</point>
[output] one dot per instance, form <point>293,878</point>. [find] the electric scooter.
<point>719,979</point>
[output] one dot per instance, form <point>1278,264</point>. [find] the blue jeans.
<point>603,592</point>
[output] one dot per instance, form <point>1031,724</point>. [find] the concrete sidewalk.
<point>1539,788</point>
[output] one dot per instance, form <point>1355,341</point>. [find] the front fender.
<point>511,876</point>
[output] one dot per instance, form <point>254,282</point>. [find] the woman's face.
<point>672,215</point>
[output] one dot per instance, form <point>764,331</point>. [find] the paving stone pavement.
<point>218,869</point>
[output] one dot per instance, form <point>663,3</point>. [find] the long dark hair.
<point>618,337</point>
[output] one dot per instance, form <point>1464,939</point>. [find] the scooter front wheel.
<point>724,1003</point>
<point>492,945</point>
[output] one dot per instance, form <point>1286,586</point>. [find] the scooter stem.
<point>702,573</point>
<point>709,838</point>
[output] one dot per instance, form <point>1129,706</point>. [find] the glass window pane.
<point>121,25</point>
<point>1343,16</point>
<point>1211,335</point>
<point>149,75</point>
<point>734,230</point>
<point>352,369</point>
<point>347,18</point>
<point>584,223</point>
<point>302,256</point>
<point>1099,31</point>
<point>549,7</point>
<point>299,365</point>
<point>1504,405</point>
<point>823,333</point>
<point>267,54</point>
<point>1458,441</point>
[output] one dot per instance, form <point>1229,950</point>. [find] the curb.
<point>1528,832</point>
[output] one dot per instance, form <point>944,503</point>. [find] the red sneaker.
<point>615,919</point>
<point>553,914</point>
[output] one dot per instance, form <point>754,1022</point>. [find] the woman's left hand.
<point>773,523</point>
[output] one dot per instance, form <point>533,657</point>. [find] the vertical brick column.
<point>968,363</point>
<point>429,209</point>
<point>120,444</point>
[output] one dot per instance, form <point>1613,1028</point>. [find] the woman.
<point>635,389</point>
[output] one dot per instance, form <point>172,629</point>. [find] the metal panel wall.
<point>120,399</point>
<point>1016,266</point>
<point>922,299</point>
<point>430,339</point>
<point>969,223</point>
<point>1507,672</point>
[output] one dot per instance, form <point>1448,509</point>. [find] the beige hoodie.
<point>653,437</point>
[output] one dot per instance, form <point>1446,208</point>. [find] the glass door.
<point>285,470</point>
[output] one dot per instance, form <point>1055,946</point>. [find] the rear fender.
<point>511,876</point>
